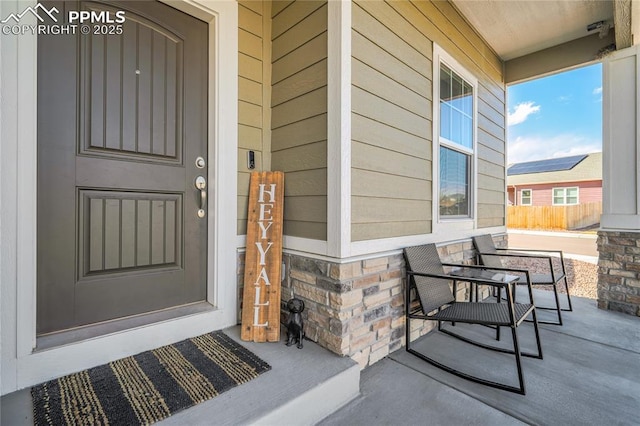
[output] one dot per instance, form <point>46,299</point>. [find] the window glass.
<point>572,196</point>
<point>456,108</point>
<point>456,130</point>
<point>454,183</point>
<point>558,195</point>
<point>525,197</point>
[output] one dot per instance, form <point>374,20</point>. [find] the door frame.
<point>22,366</point>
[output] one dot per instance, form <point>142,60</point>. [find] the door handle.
<point>201,184</point>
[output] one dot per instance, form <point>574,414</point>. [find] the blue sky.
<point>555,116</point>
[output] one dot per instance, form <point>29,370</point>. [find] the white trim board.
<point>21,366</point>
<point>339,129</point>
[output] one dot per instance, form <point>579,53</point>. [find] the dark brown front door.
<point>122,119</point>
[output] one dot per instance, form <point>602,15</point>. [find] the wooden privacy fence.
<point>554,217</point>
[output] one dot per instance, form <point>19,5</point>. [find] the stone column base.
<point>619,271</point>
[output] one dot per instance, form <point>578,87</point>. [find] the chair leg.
<point>566,286</point>
<point>516,350</point>
<point>557,309</point>
<point>534,319</point>
<point>555,293</point>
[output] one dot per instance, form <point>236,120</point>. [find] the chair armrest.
<point>534,250</point>
<point>461,278</point>
<point>522,271</point>
<point>486,268</point>
<point>516,255</point>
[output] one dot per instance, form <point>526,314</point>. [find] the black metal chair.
<point>491,256</point>
<point>425,274</point>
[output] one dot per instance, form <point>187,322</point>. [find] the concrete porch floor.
<point>589,375</point>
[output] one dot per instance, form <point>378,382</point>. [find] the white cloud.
<point>521,112</point>
<point>538,148</point>
<point>597,90</point>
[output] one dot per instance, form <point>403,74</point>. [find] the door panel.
<point>118,233</point>
<point>131,87</point>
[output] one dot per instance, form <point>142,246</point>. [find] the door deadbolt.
<point>200,163</point>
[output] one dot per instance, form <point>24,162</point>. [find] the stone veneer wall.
<point>356,309</point>
<point>619,271</point>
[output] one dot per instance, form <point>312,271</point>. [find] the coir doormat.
<point>147,387</point>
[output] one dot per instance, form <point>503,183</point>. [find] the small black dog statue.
<point>295,324</point>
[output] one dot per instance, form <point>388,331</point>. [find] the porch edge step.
<point>317,403</point>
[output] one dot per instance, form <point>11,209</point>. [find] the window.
<point>525,197</point>
<point>455,133</point>
<point>565,196</point>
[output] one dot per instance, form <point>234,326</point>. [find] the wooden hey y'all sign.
<point>263,259</point>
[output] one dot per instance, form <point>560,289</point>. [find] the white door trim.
<point>21,366</point>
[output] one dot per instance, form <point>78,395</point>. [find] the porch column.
<point>619,235</point>
<point>339,129</point>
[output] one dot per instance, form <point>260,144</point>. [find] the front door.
<point>122,120</point>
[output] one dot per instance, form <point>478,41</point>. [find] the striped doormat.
<point>148,387</point>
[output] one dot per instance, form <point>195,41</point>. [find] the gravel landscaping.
<point>582,276</point>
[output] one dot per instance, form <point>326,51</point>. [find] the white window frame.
<point>522,203</point>
<point>564,195</point>
<point>448,224</point>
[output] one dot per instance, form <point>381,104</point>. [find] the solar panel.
<point>541,166</point>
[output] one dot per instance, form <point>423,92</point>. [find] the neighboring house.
<point>556,182</point>
<point>388,119</point>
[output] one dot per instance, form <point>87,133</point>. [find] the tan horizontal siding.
<point>367,183</point>
<point>249,20</point>
<point>301,132</point>
<point>372,29</point>
<point>305,157</point>
<point>250,91</point>
<point>490,141</point>
<point>367,157</point>
<point>249,44</point>
<point>370,53</point>
<point>490,183</point>
<point>249,114</point>
<point>371,231</point>
<point>488,55</point>
<point>249,137</point>
<point>381,210</point>
<point>370,80</point>
<point>488,154</point>
<point>299,113</point>
<point>253,5</point>
<point>277,6</point>
<point>391,124</point>
<point>488,222</point>
<point>300,33</point>
<point>392,49</point>
<point>491,197</point>
<point>290,16</point>
<point>378,134</point>
<point>307,208</point>
<point>251,98</point>
<point>300,108</point>
<point>369,105</point>
<point>306,55</point>
<point>249,68</point>
<point>305,81</point>
<point>490,169</point>
<point>306,182</point>
<point>311,230</point>
<point>489,126</point>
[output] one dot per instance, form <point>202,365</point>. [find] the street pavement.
<point>581,244</point>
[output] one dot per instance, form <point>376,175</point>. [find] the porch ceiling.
<point>515,28</point>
